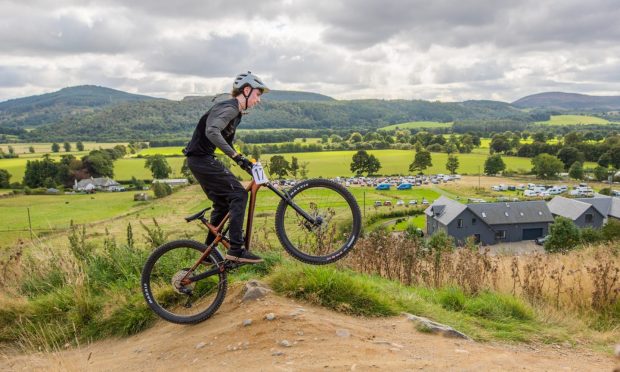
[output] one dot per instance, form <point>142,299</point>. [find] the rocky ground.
<point>274,333</point>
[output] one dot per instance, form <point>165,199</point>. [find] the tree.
<point>303,169</point>
<point>187,173</point>
<point>99,164</point>
<point>161,189</point>
<point>80,146</point>
<point>569,155</point>
<point>359,162</point>
<point>279,166</point>
<point>294,166</point>
<point>55,147</point>
<point>539,137</point>
<point>601,173</point>
<point>499,143</point>
<point>5,178</point>
<point>136,183</point>
<point>11,150</point>
<point>67,147</point>
<point>452,164</point>
<point>564,235</point>
<point>39,172</point>
<point>547,166</point>
<point>31,149</point>
<point>373,165</point>
<point>256,152</point>
<point>159,166</point>
<point>494,164</point>
<point>576,171</point>
<point>421,161</point>
<point>355,137</point>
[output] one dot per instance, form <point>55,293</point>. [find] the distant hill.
<point>568,101</point>
<point>292,96</point>
<point>78,96</point>
<point>274,96</point>
<point>103,114</point>
<point>52,107</point>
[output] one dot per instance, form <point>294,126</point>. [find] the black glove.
<point>244,163</point>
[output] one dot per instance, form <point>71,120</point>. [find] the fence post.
<point>29,223</point>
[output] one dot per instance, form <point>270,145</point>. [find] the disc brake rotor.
<point>178,286</point>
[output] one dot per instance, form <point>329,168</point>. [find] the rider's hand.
<point>243,162</point>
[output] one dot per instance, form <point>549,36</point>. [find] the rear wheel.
<point>173,299</point>
<point>334,227</point>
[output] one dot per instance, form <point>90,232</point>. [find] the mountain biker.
<point>216,129</point>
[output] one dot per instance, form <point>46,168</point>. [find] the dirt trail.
<point>301,337</point>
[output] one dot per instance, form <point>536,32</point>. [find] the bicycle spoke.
<point>177,299</point>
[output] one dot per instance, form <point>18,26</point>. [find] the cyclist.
<point>216,129</point>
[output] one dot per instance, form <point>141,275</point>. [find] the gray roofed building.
<point>513,212</point>
<point>101,183</point>
<point>608,206</point>
<point>445,209</point>
<point>489,223</point>
<point>581,213</point>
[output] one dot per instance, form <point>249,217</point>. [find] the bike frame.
<point>219,231</point>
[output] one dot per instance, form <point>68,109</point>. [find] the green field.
<point>337,163</point>
<point>53,212</point>
<point>417,124</point>
<point>573,120</point>
<point>325,164</point>
<point>42,148</point>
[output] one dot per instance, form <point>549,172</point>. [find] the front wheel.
<point>170,296</point>
<point>333,225</point>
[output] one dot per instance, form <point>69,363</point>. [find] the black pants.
<point>226,193</point>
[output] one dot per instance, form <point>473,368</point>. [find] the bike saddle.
<point>199,215</point>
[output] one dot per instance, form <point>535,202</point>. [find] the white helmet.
<point>247,78</point>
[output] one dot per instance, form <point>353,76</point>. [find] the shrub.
<point>590,235</point>
<point>161,189</point>
<point>611,230</point>
<point>564,236</point>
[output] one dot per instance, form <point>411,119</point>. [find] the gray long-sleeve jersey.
<point>216,129</point>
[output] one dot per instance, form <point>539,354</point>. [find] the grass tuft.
<point>343,291</point>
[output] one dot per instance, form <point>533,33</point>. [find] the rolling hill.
<point>568,101</point>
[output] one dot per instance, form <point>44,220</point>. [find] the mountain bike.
<point>317,221</point>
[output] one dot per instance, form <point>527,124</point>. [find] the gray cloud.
<point>348,48</point>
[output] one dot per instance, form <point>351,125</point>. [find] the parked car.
<point>400,202</point>
<point>404,186</point>
<point>542,240</point>
<point>413,202</point>
<point>378,203</point>
<point>387,203</point>
<point>383,186</point>
<point>424,201</point>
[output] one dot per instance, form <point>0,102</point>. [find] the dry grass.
<point>584,283</point>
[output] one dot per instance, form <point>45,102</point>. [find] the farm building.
<point>100,184</point>
<point>581,213</point>
<point>489,223</point>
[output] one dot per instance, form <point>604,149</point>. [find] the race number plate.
<point>259,174</point>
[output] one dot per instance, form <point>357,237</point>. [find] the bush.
<point>161,189</point>
<point>590,235</point>
<point>564,236</point>
<point>611,230</point>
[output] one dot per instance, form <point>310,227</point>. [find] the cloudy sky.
<point>434,50</point>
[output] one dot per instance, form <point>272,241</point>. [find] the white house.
<point>101,184</point>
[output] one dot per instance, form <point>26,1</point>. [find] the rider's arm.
<point>217,120</point>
